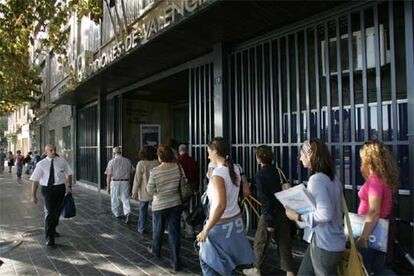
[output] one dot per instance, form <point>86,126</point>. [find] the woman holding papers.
<point>324,225</point>
<point>380,171</point>
<point>223,243</point>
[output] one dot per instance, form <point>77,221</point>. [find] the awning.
<point>227,22</point>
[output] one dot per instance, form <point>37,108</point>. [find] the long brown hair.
<point>223,150</point>
<point>320,157</point>
<point>376,157</point>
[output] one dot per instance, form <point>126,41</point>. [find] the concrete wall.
<point>137,112</point>
<point>58,118</point>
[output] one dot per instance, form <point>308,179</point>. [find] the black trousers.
<point>53,199</point>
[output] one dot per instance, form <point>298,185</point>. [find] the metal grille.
<point>323,80</point>
<point>112,129</point>
<point>87,129</point>
<point>201,121</point>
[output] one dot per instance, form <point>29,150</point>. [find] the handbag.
<point>351,263</point>
<point>284,182</point>
<point>199,214</point>
<point>184,187</point>
<point>68,209</point>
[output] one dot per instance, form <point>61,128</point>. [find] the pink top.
<point>374,186</point>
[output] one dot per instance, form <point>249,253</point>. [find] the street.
<point>92,243</point>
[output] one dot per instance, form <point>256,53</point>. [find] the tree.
<point>25,23</point>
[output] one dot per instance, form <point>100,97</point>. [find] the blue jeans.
<point>19,170</point>
<point>318,261</point>
<point>160,218</point>
<point>209,271</point>
<point>143,212</point>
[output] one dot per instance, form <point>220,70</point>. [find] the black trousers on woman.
<point>53,200</point>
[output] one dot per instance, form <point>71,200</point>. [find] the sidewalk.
<point>92,243</point>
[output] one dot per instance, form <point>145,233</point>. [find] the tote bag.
<point>68,208</point>
<point>351,263</point>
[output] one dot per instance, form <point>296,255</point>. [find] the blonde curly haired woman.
<point>379,168</point>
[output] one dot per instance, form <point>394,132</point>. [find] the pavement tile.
<point>92,243</point>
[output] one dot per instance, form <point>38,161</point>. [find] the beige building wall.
<point>18,126</point>
<point>59,118</point>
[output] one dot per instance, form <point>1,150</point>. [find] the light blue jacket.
<point>325,223</point>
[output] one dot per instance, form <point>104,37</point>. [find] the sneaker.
<point>141,231</point>
<point>149,249</point>
<point>50,242</point>
<point>251,272</point>
<point>126,218</point>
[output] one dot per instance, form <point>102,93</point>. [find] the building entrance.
<point>156,113</point>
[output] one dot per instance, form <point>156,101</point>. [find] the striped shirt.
<point>119,168</point>
<point>164,185</point>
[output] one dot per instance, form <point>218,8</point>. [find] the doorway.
<point>160,106</point>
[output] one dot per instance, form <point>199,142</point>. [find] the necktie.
<point>51,175</point>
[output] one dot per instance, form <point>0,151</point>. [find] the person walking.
<point>52,173</point>
<point>189,166</point>
<point>117,172</point>
<point>19,163</point>
<point>28,162</point>
<point>35,160</point>
<point>273,221</point>
<point>2,159</point>
<point>10,161</point>
<point>324,226</point>
<point>223,243</point>
<point>148,161</point>
<point>164,186</point>
<point>380,171</point>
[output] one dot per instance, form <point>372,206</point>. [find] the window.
<point>325,90</point>
<point>52,137</point>
<point>66,138</point>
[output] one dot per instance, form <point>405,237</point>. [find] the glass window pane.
<point>347,166</point>
<point>295,163</point>
<point>404,166</point>
<point>359,178</point>
<point>402,120</point>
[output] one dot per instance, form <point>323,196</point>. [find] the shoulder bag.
<point>351,263</point>
<point>184,187</point>
<point>284,182</point>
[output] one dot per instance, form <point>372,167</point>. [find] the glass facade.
<point>87,144</point>
<point>341,79</point>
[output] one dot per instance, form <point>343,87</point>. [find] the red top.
<point>190,169</point>
<point>374,186</point>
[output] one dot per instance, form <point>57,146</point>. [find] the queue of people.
<point>223,244</point>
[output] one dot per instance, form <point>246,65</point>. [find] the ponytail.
<point>223,150</point>
<point>233,175</point>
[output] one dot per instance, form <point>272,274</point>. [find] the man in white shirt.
<point>51,173</point>
<point>117,172</point>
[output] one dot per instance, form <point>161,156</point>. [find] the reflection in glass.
<point>347,166</point>
<point>403,164</point>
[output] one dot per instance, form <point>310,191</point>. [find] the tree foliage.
<point>27,23</point>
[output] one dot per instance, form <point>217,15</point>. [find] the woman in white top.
<point>223,243</point>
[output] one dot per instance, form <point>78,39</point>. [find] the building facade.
<point>18,132</point>
<point>259,72</point>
